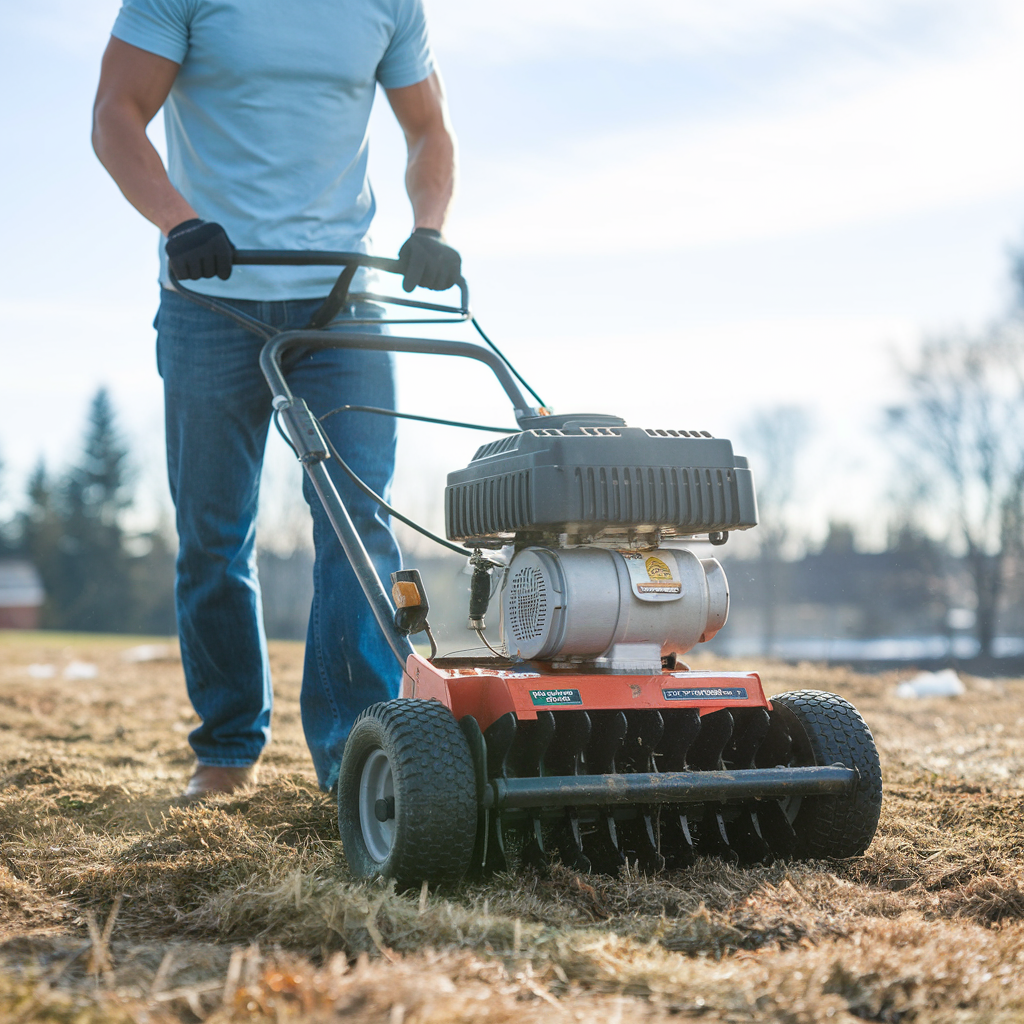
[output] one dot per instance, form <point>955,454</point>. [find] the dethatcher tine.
<point>586,738</point>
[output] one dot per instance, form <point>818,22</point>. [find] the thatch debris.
<point>119,904</point>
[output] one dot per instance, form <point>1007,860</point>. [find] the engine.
<point>588,504</point>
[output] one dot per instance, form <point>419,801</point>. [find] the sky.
<point>672,210</point>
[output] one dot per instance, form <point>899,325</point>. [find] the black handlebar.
<point>313,257</point>
<point>350,262</point>
<point>279,342</point>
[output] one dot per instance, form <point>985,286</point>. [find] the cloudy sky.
<point>676,210</point>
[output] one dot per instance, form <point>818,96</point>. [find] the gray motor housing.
<point>584,480</point>
<point>617,609</point>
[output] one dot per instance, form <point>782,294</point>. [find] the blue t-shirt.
<point>267,119</point>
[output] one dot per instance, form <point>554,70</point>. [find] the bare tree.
<point>774,439</point>
<point>962,428</point>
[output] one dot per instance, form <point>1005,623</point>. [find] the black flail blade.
<point>499,736</point>
<point>639,841</point>
<point>746,839</point>
<point>534,851</point>
<point>715,733</point>
<point>495,858</point>
<point>777,746</point>
<point>681,729</point>
<point>710,837</point>
<point>644,730</point>
<point>531,744</point>
<point>776,829</point>
<point>568,840</point>
<point>751,728</point>
<point>676,841</point>
<point>565,757</point>
<point>572,734</point>
<point>608,729</point>
<point>602,847</point>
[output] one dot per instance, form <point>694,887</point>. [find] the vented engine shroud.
<point>615,608</point>
<point>584,480</point>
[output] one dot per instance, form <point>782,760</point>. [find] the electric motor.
<point>617,609</point>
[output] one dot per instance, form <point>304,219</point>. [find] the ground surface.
<point>115,904</point>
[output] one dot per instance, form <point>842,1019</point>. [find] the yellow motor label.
<point>652,577</point>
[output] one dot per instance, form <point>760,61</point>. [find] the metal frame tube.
<point>631,788</point>
<point>274,350</point>
<point>359,558</point>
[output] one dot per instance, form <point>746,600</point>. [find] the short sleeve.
<point>408,59</point>
<point>157,26</point>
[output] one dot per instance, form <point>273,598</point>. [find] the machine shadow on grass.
<point>118,904</point>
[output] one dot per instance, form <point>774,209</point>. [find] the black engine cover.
<point>586,479</point>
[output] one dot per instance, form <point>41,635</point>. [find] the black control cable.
<point>421,419</point>
<point>501,355</point>
<point>372,494</point>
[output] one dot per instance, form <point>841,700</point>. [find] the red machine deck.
<point>488,694</point>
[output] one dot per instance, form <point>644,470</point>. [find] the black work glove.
<point>427,262</point>
<point>199,248</point>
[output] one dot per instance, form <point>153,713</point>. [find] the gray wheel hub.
<point>376,790</point>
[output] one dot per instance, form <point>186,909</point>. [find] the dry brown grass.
<point>117,904</point>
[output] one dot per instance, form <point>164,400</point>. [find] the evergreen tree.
<point>73,530</point>
<point>95,573</point>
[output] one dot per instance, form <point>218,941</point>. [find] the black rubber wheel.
<point>826,729</point>
<point>407,794</point>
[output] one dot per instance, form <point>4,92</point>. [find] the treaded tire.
<point>826,729</point>
<point>435,809</point>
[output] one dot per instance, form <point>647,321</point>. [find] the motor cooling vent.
<point>527,604</point>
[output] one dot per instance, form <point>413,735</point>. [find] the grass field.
<point>116,904</point>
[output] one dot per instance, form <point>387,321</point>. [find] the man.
<point>266,107</point>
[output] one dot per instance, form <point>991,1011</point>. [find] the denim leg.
<point>217,411</point>
<point>349,664</point>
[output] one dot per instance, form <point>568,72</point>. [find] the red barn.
<point>21,595</point>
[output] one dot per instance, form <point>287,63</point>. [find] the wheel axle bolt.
<point>384,810</point>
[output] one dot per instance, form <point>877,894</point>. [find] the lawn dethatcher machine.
<point>581,734</point>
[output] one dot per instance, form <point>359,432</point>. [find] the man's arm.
<point>422,112</point>
<point>133,86</point>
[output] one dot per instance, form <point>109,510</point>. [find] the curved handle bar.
<point>326,258</point>
<point>278,343</point>
<point>275,349</point>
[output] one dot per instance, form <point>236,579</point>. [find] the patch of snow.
<point>931,684</point>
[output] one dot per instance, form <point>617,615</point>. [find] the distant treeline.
<point>98,576</point>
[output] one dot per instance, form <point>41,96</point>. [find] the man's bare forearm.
<point>128,155</point>
<point>133,86</point>
<point>430,178</point>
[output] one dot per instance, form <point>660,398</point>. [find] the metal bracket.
<point>304,430</point>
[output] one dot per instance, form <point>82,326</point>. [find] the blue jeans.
<point>217,408</point>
